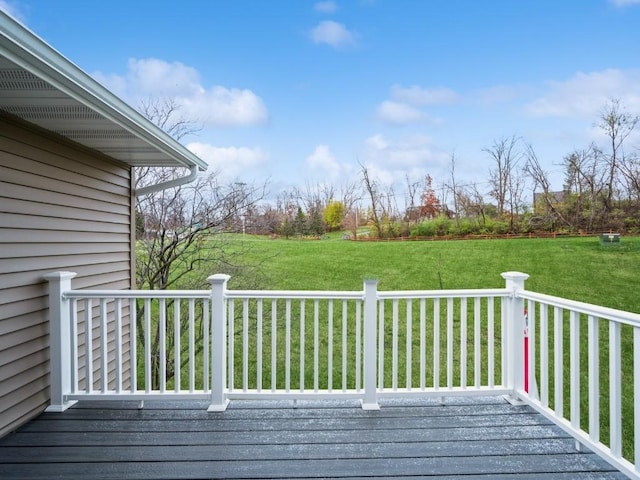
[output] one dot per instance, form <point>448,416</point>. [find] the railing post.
<point>515,332</point>
<point>60,350</point>
<point>219,401</point>
<point>370,401</point>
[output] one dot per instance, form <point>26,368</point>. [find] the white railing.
<point>222,344</point>
<point>579,378</point>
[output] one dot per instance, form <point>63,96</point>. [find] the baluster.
<point>274,343</point>
<point>192,346</point>
<point>381,349</point>
<point>74,346</point>
<point>477,345</point>
<point>118,345</point>
<point>544,355</point>
<point>394,345</point>
<point>615,390</point>
<point>177,346</point>
<point>423,342</point>
<point>231,353</point>
<point>316,344</point>
<point>245,344</point>
<point>463,343</point>
<point>302,343</point>
<point>88,332</point>
<point>259,346</point>
<point>104,353</point>
<point>594,378</point>
<point>491,339</point>
<point>636,396</point>
<point>287,346</point>
<point>133,344</point>
<point>574,369</point>
<point>147,345</point>
<point>330,347</point>
<point>358,359</point>
<point>558,366</point>
<point>409,343</point>
<point>344,345</point>
<point>436,343</point>
<point>206,339</point>
<point>449,342</point>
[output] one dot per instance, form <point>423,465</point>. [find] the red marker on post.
<point>526,350</point>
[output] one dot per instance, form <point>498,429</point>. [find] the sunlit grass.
<point>578,268</point>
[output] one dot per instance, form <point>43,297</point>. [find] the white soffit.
<point>42,87</point>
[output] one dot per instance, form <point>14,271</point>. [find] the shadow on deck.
<point>468,438</point>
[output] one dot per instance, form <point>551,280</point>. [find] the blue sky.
<point>301,91</point>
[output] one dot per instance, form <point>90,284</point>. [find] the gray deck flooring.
<point>412,438</point>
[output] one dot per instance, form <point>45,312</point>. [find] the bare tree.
<point>505,155</point>
<point>630,169</point>
<point>472,203</point>
<point>350,194</point>
<point>454,189</point>
<point>179,232</point>
<point>372,190</point>
<point>586,175</point>
<point>506,178</point>
<point>617,125</point>
<point>412,211</point>
<point>551,202</point>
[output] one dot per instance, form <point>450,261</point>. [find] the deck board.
<point>408,438</point>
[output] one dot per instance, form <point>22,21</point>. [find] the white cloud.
<point>405,106</point>
<point>585,94</point>
<point>390,160</point>
<point>332,33</point>
<point>231,162</point>
<point>624,3</point>
<point>399,113</point>
<point>322,159</point>
<point>419,96</point>
<point>496,94</point>
<point>325,7</point>
<point>215,105</point>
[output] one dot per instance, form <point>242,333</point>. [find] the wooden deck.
<point>412,438</point>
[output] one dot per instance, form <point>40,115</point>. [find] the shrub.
<point>424,229</point>
<point>442,225</point>
<point>467,227</point>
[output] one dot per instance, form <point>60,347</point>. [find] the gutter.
<point>176,182</point>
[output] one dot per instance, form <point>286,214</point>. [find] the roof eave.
<point>30,52</point>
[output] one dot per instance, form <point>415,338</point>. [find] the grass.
<point>578,268</point>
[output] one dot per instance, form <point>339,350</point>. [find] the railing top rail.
<point>286,294</point>
<point>613,314</point>
<point>468,293</point>
<point>132,294</point>
<point>296,294</point>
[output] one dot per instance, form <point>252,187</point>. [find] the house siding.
<point>62,207</point>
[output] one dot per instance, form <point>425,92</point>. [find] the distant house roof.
<point>41,86</point>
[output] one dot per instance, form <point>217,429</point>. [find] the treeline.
<point>600,192</point>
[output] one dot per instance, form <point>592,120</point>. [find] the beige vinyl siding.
<point>62,207</point>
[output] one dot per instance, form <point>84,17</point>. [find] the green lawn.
<point>576,268</point>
